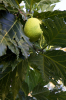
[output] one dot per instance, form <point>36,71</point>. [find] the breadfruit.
<point>32,29</point>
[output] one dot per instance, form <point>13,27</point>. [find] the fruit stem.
<point>30,15</point>
<point>41,50</point>
<point>31,5</point>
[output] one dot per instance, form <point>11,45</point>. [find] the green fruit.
<point>32,29</point>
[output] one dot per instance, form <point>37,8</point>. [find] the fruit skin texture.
<point>32,29</point>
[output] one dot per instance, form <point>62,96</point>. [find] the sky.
<point>61,5</point>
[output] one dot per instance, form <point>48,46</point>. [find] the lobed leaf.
<point>40,92</point>
<point>36,60</point>
<point>50,14</point>
<point>33,78</point>
<point>12,35</point>
<point>51,64</point>
<point>55,31</point>
<point>59,96</point>
<point>55,64</point>
<point>12,74</point>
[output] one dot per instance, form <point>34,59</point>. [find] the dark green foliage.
<point>25,67</point>
<point>50,14</point>
<point>40,92</point>
<point>54,31</point>
<point>11,35</point>
<point>56,65</point>
<point>12,74</point>
<point>18,1</point>
<point>59,96</point>
<point>33,78</point>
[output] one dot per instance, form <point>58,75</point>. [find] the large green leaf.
<point>3,49</point>
<point>19,78</point>
<point>25,88</point>
<point>55,31</point>
<point>52,64</point>
<point>5,82</point>
<point>33,78</point>
<point>12,74</point>
<point>8,8</point>
<point>50,14</point>
<point>37,60</point>
<point>16,83</point>
<point>8,63</point>
<point>55,64</point>
<point>22,71</point>
<point>11,34</point>
<point>59,96</point>
<point>48,1</point>
<point>40,92</point>
<point>18,1</point>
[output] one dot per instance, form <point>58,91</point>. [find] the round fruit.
<point>32,29</point>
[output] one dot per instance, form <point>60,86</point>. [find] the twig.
<point>37,50</point>
<point>23,14</point>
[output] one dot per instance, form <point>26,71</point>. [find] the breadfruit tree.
<point>32,50</point>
